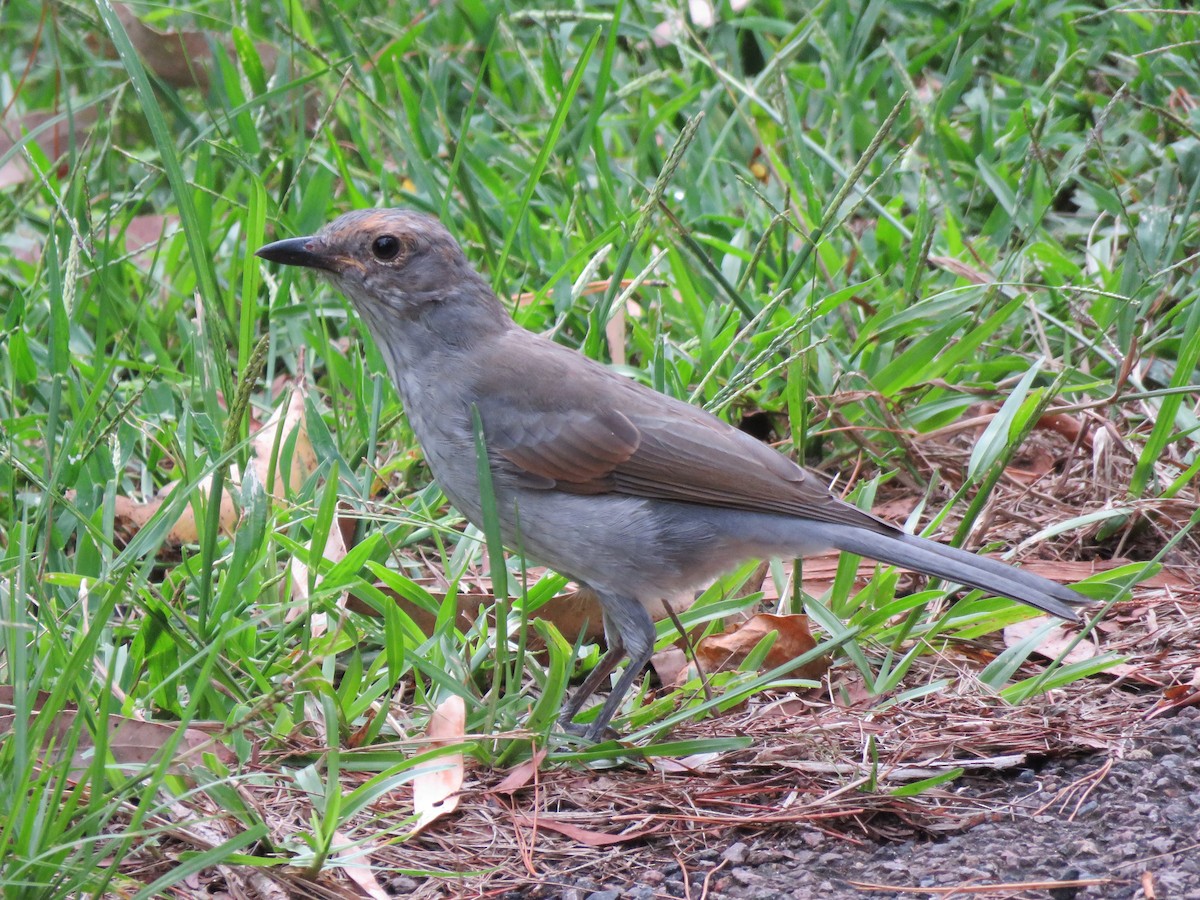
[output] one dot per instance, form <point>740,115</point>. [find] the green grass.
<point>791,245</point>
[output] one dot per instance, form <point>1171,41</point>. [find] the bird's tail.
<point>921,555</point>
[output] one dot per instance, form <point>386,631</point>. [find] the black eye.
<point>386,247</point>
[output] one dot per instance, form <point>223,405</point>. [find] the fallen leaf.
<point>435,792</point>
<point>1070,427</point>
<point>521,775</point>
<point>54,141</point>
<point>132,743</point>
<point>592,287</point>
<point>131,516</point>
<point>359,737</point>
<point>333,551</point>
<point>353,858</point>
<point>180,58</point>
<point>573,612</point>
<point>689,765</point>
<point>670,665</point>
<point>288,419</point>
<point>1057,640</point>
<point>582,835</point>
<point>1034,468</point>
<point>143,235</point>
<point>726,652</point>
<point>1176,697</point>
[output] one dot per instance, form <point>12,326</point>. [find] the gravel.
<point>1121,825</point>
<point>1135,826</point>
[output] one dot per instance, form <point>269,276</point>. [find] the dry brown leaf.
<point>130,742</point>
<point>353,859</point>
<point>143,234</point>
<point>180,58</point>
<point>1070,427</point>
<point>1176,697</point>
<point>589,289</point>
<point>435,793</point>
<point>582,835</point>
<point>694,764</point>
<point>725,652</point>
<point>961,269</point>
<point>361,735</point>
<point>334,551</point>
<point>285,421</point>
<point>54,141</point>
<point>1057,640</point>
<point>1073,428</point>
<point>130,516</point>
<point>521,775</point>
<point>467,607</point>
<point>1036,467</point>
<point>670,665</point>
<point>572,613</point>
<point>578,612</point>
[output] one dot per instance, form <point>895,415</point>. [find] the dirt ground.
<point>1118,824</point>
<point>938,788</point>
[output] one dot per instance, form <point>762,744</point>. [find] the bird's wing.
<point>597,432</point>
<point>570,449</point>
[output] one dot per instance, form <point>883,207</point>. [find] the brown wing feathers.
<point>570,448</point>
<point>697,460</point>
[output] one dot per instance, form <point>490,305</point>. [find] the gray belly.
<point>649,550</point>
<point>646,549</point>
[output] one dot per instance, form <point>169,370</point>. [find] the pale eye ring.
<point>386,247</point>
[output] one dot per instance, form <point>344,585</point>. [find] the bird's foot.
<point>589,733</point>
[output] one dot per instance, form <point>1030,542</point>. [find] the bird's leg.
<point>616,652</point>
<point>630,631</point>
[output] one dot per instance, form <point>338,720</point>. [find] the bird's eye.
<point>386,247</point>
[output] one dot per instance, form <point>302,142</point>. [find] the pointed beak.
<point>301,251</point>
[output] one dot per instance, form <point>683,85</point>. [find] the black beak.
<point>296,252</point>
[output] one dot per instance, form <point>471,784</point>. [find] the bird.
<point>631,493</point>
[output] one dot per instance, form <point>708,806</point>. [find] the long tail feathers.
<point>961,567</point>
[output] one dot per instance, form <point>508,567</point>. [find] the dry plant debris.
<point>839,763</point>
<point>814,762</point>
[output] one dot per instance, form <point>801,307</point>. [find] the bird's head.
<point>382,258</point>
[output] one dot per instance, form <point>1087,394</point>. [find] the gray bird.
<point>632,493</point>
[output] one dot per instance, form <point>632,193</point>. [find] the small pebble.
<point>735,853</point>
<point>742,875</point>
